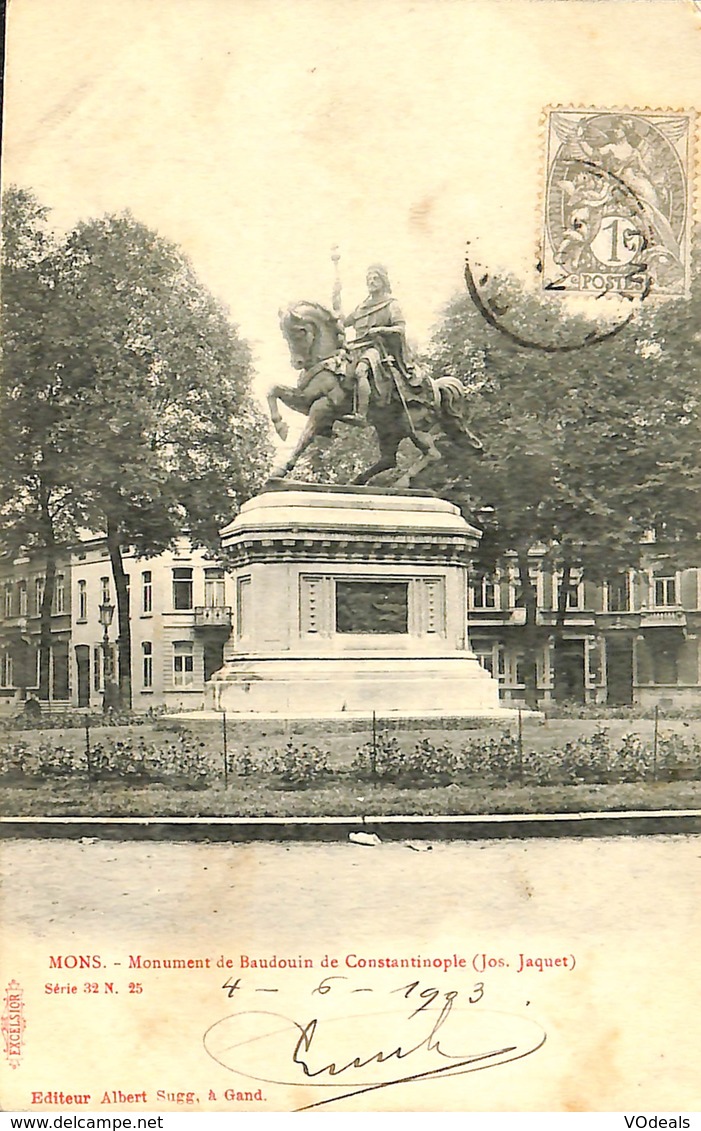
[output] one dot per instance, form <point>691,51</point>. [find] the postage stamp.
<point>617,211</point>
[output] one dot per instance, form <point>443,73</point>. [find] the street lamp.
<point>106,612</point>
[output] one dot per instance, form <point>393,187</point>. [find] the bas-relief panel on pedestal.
<point>384,605</point>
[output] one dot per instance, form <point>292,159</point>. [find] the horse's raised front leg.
<point>283,469</point>
<point>321,414</point>
<point>278,423</point>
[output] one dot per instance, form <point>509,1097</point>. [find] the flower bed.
<point>489,760</point>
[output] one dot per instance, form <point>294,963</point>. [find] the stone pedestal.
<point>348,602</point>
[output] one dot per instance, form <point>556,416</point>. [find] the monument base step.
<point>434,719</point>
<point>342,687</point>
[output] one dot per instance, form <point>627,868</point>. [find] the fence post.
<point>655,740</point>
<point>373,759</point>
<point>226,750</point>
<point>520,747</point>
<point>87,748</point>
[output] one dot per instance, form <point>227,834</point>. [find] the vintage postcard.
<point>350,558</point>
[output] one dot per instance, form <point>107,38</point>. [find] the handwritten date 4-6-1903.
<point>405,1035</point>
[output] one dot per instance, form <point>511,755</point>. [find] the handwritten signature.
<point>370,1050</point>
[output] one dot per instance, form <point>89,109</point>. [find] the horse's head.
<point>312,333</point>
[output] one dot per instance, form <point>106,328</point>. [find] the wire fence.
<point>522,752</point>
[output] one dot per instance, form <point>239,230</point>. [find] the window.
<point>82,600</point>
<point>485,655</point>
<point>105,591</point>
<point>146,592</point>
<point>484,594</point>
<point>618,593</point>
<point>664,592</point>
<point>23,599</point>
<point>516,598</point>
<point>491,657</point>
<point>372,606</point>
<point>575,592</point>
<point>214,588</point>
<point>147,664</point>
<point>183,663</point>
<point>59,594</point>
<point>8,603</point>
<point>6,673</point>
<point>182,588</point>
<point>664,663</point>
<point>39,585</point>
<point>574,595</point>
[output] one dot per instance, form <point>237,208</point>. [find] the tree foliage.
<point>587,450</point>
<point>30,484</point>
<point>157,380</point>
<point>584,451</point>
<point>128,389</point>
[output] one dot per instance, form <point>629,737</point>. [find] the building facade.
<point>180,619</point>
<point>634,640</point>
<point>21,594</point>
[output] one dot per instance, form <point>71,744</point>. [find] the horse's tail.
<point>453,403</point>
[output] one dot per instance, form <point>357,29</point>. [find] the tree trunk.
<point>121,585</point>
<point>529,594</point>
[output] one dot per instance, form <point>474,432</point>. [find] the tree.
<point>156,430</point>
<point>585,449</point>
<point>35,502</point>
<point>166,435</point>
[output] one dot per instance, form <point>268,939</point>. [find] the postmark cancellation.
<point>617,213</point>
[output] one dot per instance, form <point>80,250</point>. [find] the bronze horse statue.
<point>422,411</point>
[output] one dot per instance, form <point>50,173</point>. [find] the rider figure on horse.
<point>374,374</point>
<point>380,359</point>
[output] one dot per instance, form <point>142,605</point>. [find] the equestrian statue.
<point>359,370</point>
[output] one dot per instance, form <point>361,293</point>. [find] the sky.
<point>256,134</point>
